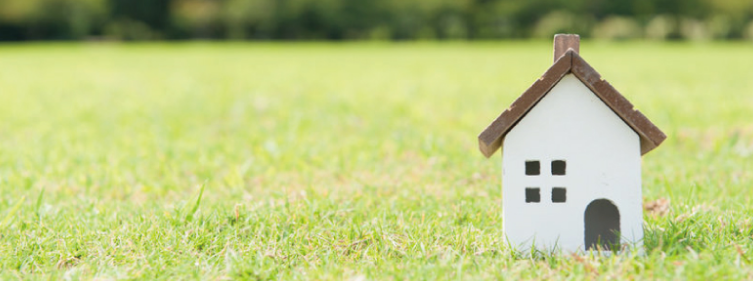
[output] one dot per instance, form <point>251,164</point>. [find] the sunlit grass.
<point>340,161</point>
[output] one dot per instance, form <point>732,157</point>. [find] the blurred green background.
<point>373,19</point>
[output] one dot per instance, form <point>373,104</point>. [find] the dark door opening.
<point>602,225</point>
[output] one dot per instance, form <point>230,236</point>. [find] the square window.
<point>533,195</point>
<point>558,167</point>
<point>559,195</point>
<point>533,168</point>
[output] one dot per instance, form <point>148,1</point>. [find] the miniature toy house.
<point>571,160</point>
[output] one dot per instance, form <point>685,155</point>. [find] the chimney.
<point>563,42</point>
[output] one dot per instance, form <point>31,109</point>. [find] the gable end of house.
<point>490,140</point>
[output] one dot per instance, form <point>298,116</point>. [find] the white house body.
<point>571,128</point>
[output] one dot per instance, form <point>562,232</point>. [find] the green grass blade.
<point>12,211</point>
<point>38,205</point>
<point>189,215</point>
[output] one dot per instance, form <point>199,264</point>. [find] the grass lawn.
<point>341,161</point>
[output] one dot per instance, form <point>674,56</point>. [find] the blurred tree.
<point>249,19</point>
<point>52,19</point>
<point>141,19</point>
<point>364,19</point>
<point>197,18</point>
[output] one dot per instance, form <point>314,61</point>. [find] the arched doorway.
<point>602,225</point>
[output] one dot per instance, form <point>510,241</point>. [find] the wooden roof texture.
<point>570,62</point>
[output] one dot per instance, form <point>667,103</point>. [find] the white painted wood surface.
<point>603,162</point>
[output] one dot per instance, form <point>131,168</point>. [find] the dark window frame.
<point>533,167</point>
<point>533,195</point>
<point>559,194</point>
<point>559,167</point>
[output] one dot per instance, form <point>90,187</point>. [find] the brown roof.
<point>570,62</point>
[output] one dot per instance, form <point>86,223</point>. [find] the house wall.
<point>603,161</point>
